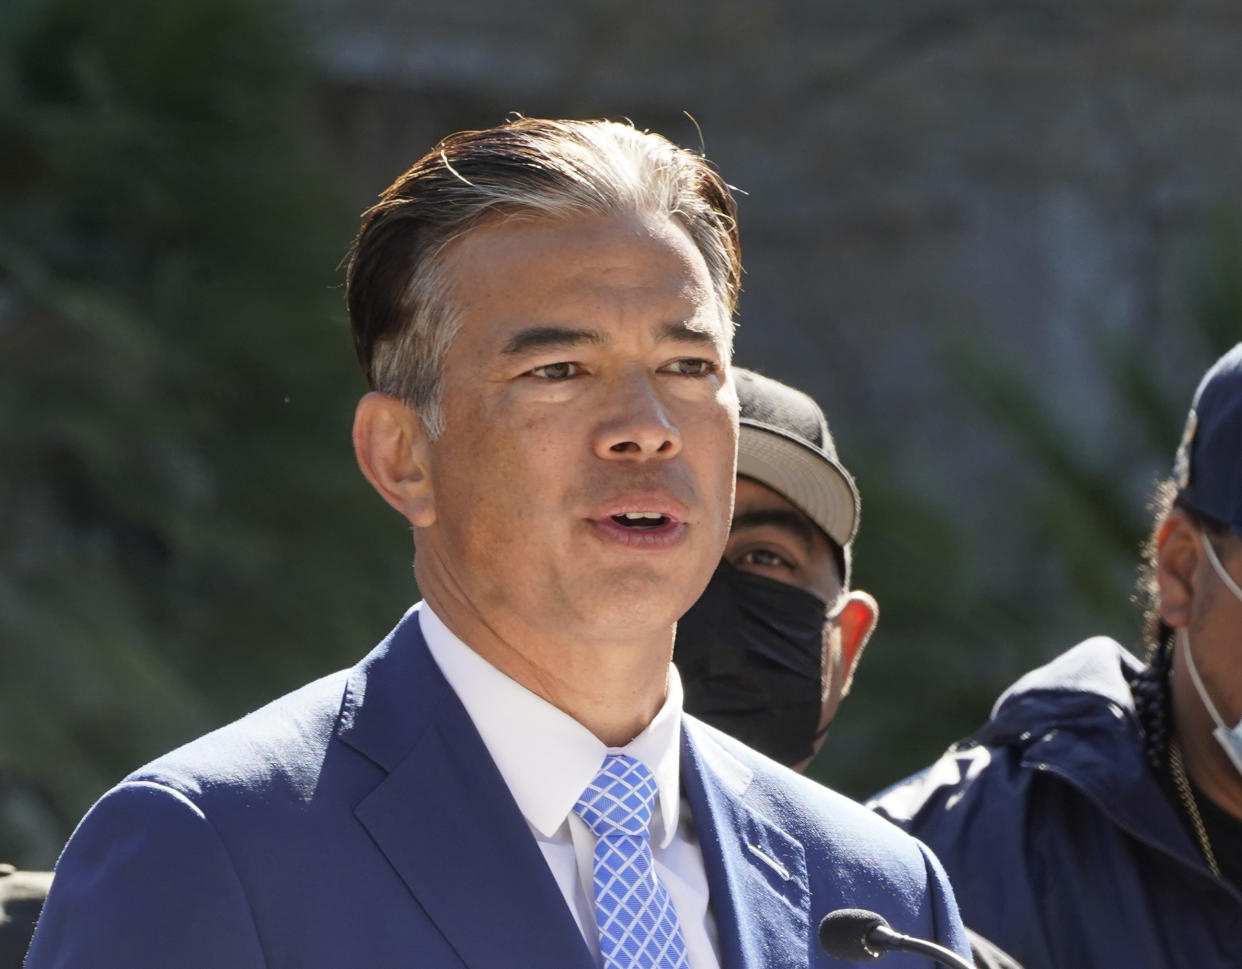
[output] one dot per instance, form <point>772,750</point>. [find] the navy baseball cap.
<point>784,443</point>
<point>1208,469</point>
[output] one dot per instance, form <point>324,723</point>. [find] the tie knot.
<point>619,799</point>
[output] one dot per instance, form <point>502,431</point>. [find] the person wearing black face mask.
<point>770,648</point>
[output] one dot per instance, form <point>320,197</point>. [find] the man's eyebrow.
<point>538,338</point>
<point>683,332</point>
<point>791,521</point>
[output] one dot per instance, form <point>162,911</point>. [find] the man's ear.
<point>856,616</point>
<point>1178,555</point>
<point>393,452</point>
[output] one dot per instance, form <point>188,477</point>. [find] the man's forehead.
<point>759,506</point>
<point>568,272</point>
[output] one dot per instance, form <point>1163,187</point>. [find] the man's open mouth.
<point>641,519</point>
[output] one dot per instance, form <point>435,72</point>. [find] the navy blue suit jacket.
<point>360,823</point>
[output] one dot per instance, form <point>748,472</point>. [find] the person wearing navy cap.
<point>1095,820</point>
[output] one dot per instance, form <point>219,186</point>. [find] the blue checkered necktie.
<point>638,927</point>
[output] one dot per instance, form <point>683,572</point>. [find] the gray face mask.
<point>1229,739</point>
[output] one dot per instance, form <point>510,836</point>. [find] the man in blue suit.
<point>543,311</point>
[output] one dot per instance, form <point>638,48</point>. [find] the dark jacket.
<point>1061,845</point>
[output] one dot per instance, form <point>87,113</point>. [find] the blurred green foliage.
<point>959,623</point>
<point>183,533</point>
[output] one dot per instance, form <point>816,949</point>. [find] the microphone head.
<point>843,934</point>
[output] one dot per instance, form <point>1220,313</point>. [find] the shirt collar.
<point>545,756</point>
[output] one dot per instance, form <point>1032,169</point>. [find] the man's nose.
<point>639,425</point>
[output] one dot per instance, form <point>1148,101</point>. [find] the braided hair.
<point>1152,703</point>
<point>1151,687</point>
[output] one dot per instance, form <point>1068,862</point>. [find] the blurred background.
<point>998,242</point>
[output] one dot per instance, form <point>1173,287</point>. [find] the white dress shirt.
<point>547,759</point>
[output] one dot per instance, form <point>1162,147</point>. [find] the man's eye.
<point>765,558</point>
<point>693,367</point>
<point>556,371</point>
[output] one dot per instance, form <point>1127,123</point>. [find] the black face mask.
<point>750,654</point>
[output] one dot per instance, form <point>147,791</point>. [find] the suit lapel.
<point>447,823</point>
<point>756,872</point>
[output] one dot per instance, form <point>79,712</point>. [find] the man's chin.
<point>641,598</point>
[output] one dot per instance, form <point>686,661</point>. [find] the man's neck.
<point>614,688</point>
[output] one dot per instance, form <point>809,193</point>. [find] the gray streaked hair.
<point>399,299</point>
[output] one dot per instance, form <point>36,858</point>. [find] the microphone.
<point>856,935</point>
